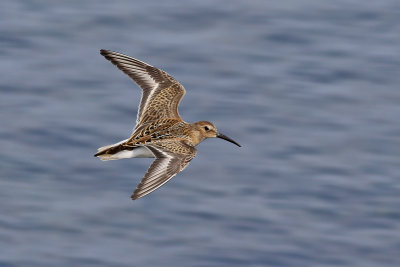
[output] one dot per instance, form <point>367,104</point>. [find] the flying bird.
<point>160,132</point>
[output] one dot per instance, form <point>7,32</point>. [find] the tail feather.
<point>107,152</point>
<point>103,148</point>
<point>106,157</point>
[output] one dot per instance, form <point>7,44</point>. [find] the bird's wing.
<point>161,93</point>
<point>166,165</point>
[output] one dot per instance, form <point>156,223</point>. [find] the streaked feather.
<point>161,93</point>
<point>166,165</point>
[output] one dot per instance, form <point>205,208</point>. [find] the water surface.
<point>309,88</point>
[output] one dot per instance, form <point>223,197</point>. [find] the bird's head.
<point>208,130</point>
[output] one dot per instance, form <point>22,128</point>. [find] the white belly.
<point>139,152</point>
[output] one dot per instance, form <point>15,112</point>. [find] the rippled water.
<point>309,88</point>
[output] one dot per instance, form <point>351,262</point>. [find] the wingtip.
<point>136,194</point>
<point>108,54</point>
<point>103,52</point>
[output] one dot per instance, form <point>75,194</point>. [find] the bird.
<point>160,132</point>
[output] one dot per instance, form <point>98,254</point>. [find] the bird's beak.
<point>220,135</point>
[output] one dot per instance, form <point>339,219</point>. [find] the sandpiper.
<point>160,132</point>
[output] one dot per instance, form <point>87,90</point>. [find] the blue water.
<point>309,88</point>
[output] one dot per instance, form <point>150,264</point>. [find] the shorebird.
<point>160,132</point>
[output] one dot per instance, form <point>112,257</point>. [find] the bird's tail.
<point>109,152</point>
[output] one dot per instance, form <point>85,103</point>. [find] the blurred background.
<point>309,88</point>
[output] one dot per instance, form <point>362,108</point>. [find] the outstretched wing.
<point>161,93</point>
<point>166,165</point>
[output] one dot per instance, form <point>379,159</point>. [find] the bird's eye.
<point>206,128</point>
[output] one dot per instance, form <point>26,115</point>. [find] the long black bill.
<point>220,135</point>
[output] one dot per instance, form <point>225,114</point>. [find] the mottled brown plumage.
<point>159,132</point>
